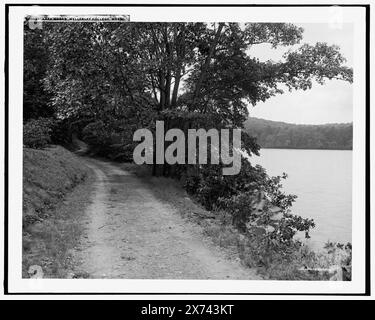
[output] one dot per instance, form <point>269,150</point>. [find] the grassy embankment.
<point>56,186</point>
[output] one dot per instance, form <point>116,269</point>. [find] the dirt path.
<point>131,234</point>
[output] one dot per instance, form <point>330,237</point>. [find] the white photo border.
<point>15,284</point>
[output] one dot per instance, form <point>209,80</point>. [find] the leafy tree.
<point>35,97</point>
<point>98,83</point>
<point>188,67</point>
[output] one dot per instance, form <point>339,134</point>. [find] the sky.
<point>330,103</point>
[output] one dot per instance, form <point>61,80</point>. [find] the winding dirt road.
<point>131,234</point>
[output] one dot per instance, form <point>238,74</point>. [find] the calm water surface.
<point>322,180</point>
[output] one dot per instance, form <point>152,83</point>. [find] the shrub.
<point>110,141</point>
<point>61,134</point>
<point>208,184</point>
<point>37,133</point>
<point>259,209</point>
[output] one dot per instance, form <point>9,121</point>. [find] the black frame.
<point>367,148</point>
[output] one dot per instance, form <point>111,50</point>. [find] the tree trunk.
<point>162,90</point>
<point>175,88</point>
<point>168,89</point>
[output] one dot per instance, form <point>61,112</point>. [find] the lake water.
<point>322,180</point>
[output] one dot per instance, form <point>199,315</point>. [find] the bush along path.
<point>131,234</point>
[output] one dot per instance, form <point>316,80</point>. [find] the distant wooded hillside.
<point>274,134</point>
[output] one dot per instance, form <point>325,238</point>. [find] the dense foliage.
<point>36,99</point>
<point>274,134</point>
<point>37,133</point>
<point>122,76</point>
